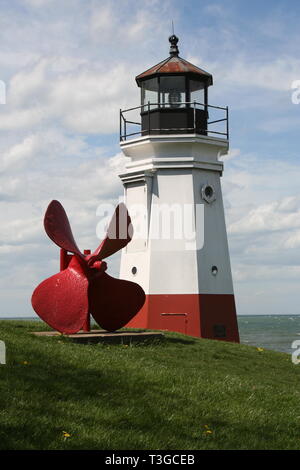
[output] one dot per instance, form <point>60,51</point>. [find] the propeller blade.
<point>118,235</point>
<point>62,300</point>
<point>114,302</point>
<point>58,228</point>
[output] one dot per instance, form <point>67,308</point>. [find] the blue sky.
<point>69,66</point>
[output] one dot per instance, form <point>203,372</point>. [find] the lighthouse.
<point>179,254</point>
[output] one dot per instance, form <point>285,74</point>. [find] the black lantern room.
<point>174,96</point>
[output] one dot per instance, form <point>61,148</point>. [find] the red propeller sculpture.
<point>82,287</point>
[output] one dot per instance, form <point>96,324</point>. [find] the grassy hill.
<point>180,393</point>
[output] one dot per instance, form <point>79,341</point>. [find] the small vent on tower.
<point>219,331</point>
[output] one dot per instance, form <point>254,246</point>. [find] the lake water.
<point>275,332</point>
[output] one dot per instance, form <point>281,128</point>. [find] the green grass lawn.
<point>180,393</point>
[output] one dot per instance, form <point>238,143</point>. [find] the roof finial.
<point>173,40</point>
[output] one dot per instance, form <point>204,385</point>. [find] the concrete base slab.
<point>102,336</point>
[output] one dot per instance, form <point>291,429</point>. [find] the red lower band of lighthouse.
<point>210,316</point>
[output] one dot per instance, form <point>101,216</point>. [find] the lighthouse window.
<point>214,270</point>
<point>134,270</point>
<point>150,92</point>
<point>197,92</point>
<point>172,91</point>
<point>208,193</point>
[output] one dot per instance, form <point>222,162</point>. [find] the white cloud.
<point>244,273</point>
<point>21,118</point>
<point>84,99</point>
<point>269,217</point>
<point>233,153</point>
<point>293,240</point>
<point>27,85</point>
<point>104,22</point>
<point>19,153</point>
<point>39,3</point>
<point>21,231</point>
<point>277,74</point>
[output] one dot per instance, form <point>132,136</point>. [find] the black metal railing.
<point>128,127</point>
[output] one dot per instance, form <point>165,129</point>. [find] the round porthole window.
<point>214,270</point>
<point>134,270</point>
<point>208,193</point>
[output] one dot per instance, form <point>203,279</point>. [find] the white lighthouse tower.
<point>179,253</point>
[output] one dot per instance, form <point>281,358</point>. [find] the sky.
<point>69,66</point>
